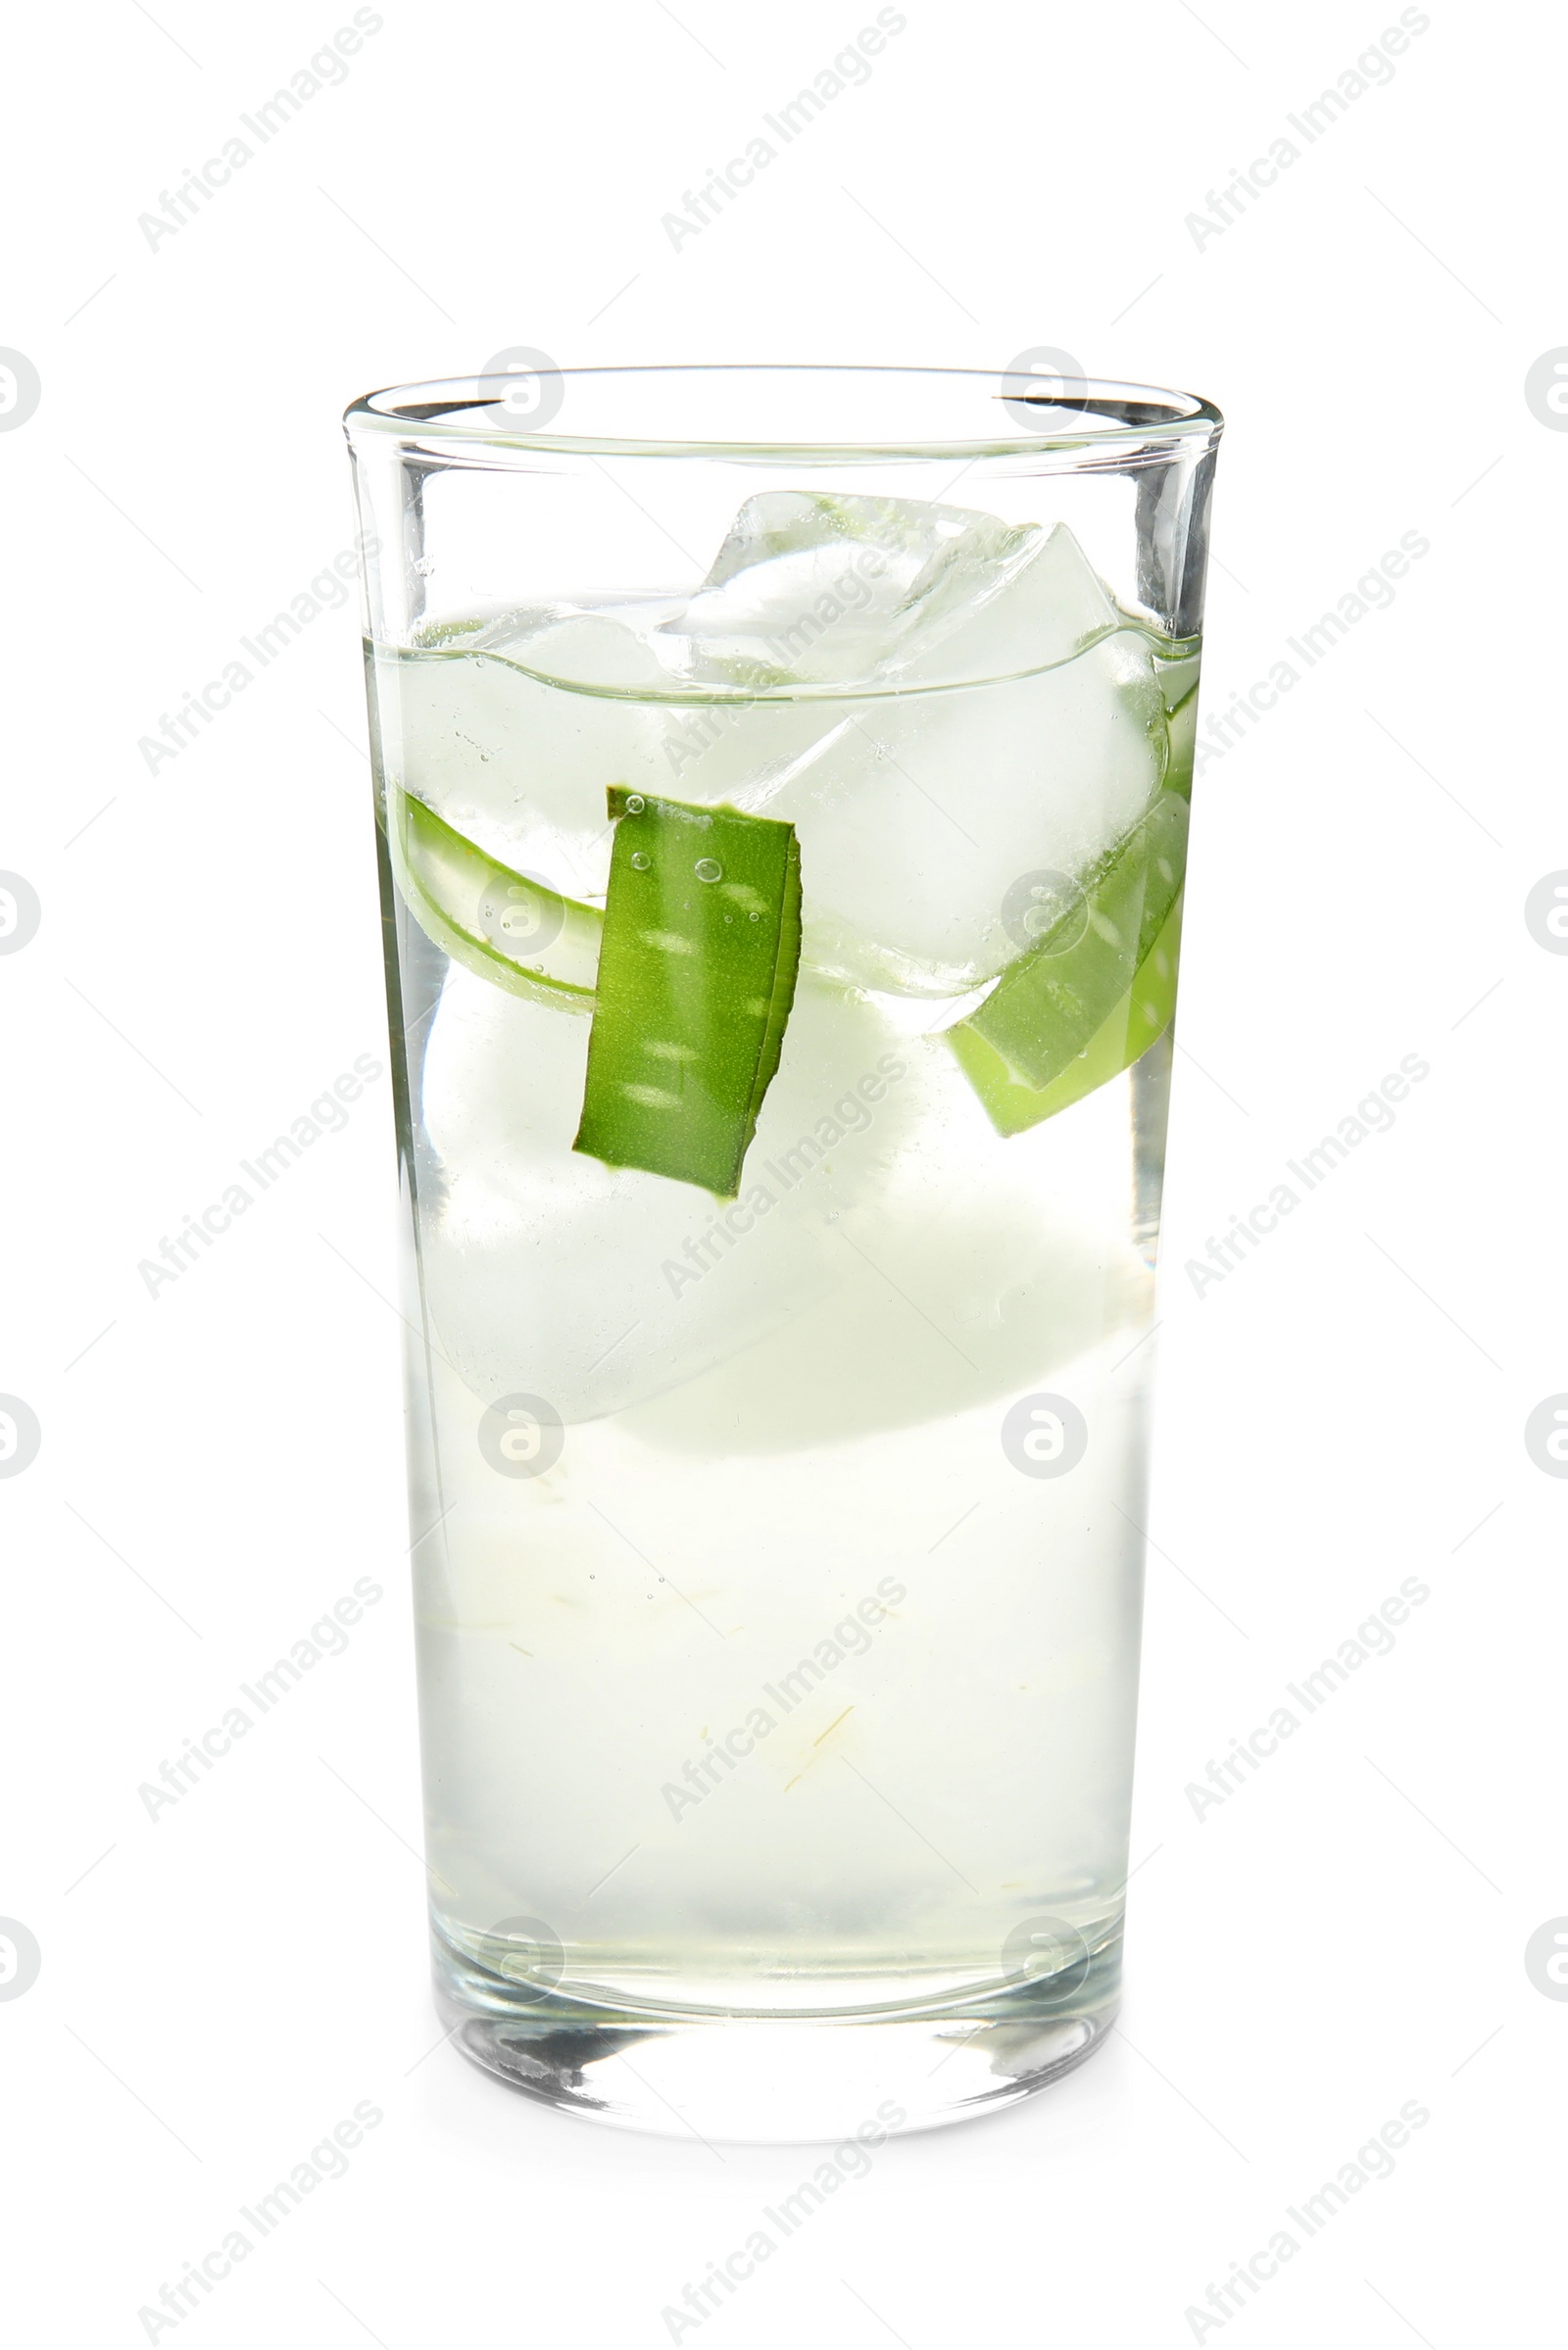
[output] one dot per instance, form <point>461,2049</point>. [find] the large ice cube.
<point>521,766</point>
<point>919,809</point>
<point>904,531</point>
<point>905,876</point>
<point>918,814</point>
<point>992,608</point>
<point>973,1273</point>
<point>513,732</point>
<point>551,1274</point>
<point>815,588</point>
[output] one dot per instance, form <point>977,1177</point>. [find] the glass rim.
<point>1093,418</point>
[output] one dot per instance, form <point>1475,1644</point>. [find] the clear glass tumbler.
<point>782,781</point>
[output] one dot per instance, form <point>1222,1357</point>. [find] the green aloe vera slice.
<point>696,979</point>
<point>1053,1003</point>
<point>500,924</point>
<point>1134,1023</point>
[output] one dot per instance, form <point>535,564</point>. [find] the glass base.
<point>810,2079</point>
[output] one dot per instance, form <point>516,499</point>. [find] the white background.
<point>1347,1930</point>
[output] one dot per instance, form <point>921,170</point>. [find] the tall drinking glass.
<point>782,782</point>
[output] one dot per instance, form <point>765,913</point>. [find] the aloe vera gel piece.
<point>701,944</point>
<point>503,925</point>
<point>1135,1021</point>
<point>1093,964</point>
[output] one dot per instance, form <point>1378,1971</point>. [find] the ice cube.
<point>817,590</point>
<point>993,606</point>
<point>918,809</point>
<point>813,616</point>
<point>569,646</point>
<point>970,1274</point>
<point>905,532</point>
<point>513,733</point>
<point>822,589</point>
<point>518,766</point>
<point>551,1274</point>
<point>810,588</point>
<point>918,813</point>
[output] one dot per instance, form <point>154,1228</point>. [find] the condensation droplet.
<point>635,803</point>
<point>641,860</point>
<point>708,868</point>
